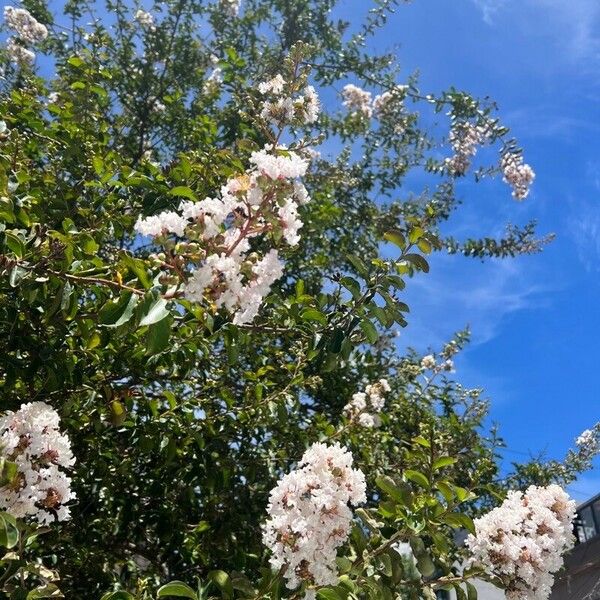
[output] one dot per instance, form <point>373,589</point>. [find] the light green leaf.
<point>179,589</point>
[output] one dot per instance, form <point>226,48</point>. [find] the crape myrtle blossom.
<point>517,174</point>
<point>357,100</point>
<point>219,267</point>
<point>145,19</point>
<point>25,26</point>
<point>523,540</point>
<point>382,103</point>
<point>31,439</point>
<point>429,363</point>
<point>288,108</point>
<point>28,31</point>
<point>231,7</point>
<point>364,407</point>
<point>588,443</point>
<point>19,54</point>
<point>309,516</point>
<point>465,138</point>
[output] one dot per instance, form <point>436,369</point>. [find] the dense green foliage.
<point>182,422</point>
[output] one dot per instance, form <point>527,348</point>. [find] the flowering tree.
<point>202,393</point>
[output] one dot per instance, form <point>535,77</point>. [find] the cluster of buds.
<point>285,107</point>
<point>364,408</point>
<point>30,439</point>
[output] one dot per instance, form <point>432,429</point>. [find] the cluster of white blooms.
<point>429,363</point>
<point>31,439</point>
<point>284,109</point>
<point>309,516</point>
<point>360,102</point>
<point>517,174</point>
<point>213,81</point>
<point>365,406</point>
<point>465,138</point>
<point>588,443</point>
<point>265,199</point>
<point>383,102</point>
<point>145,19</point>
<point>357,100</point>
<point>28,31</point>
<point>24,25</point>
<point>231,7</point>
<point>522,541</point>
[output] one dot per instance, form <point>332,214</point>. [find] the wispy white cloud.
<point>584,227</point>
<point>457,293</point>
<point>573,27</point>
<point>489,8</point>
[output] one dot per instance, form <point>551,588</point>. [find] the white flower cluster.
<point>28,31</point>
<point>31,439</point>
<point>429,363</point>
<point>309,516</point>
<point>213,81</point>
<point>588,443</point>
<point>361,102</point>
<point>283,109</point>
<point>357,100</point>
<point>522,541</point>
<point>517,174</point>
<point>231,7</point>
<point>145,19</point>
<point>383,102</point>
<point>465,138</point>
<point>365,406</point>
<point>265,199</point>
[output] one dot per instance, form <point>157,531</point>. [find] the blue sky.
<point>535,319</point>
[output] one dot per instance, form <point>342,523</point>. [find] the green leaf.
<point>48,590</point>
<point>75,61</point>
<point>8,471</point>
<point>332,594</point>
<point>369,330</point>
<point>417,477</point>
<point>120,595</point>
<point>471,591</point>
<point>415,234</point>
<point>398,492</point>
<point>421,441</point>
<point>115,314</point>
<point>223,582</point>
<point>312,314</point>
<point>158,336</point>
<point>352,286</point>
<point>153,311</point>
<point>15,244</point>
<point>178,589</point>
<point>9,532</point>
<point>418,261</point>
<point>444,461</point>
<point>396,237</point>
<point>359,265</point>
<point>138,267</point>
<point>459,520</point>
<point>182,191</point>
